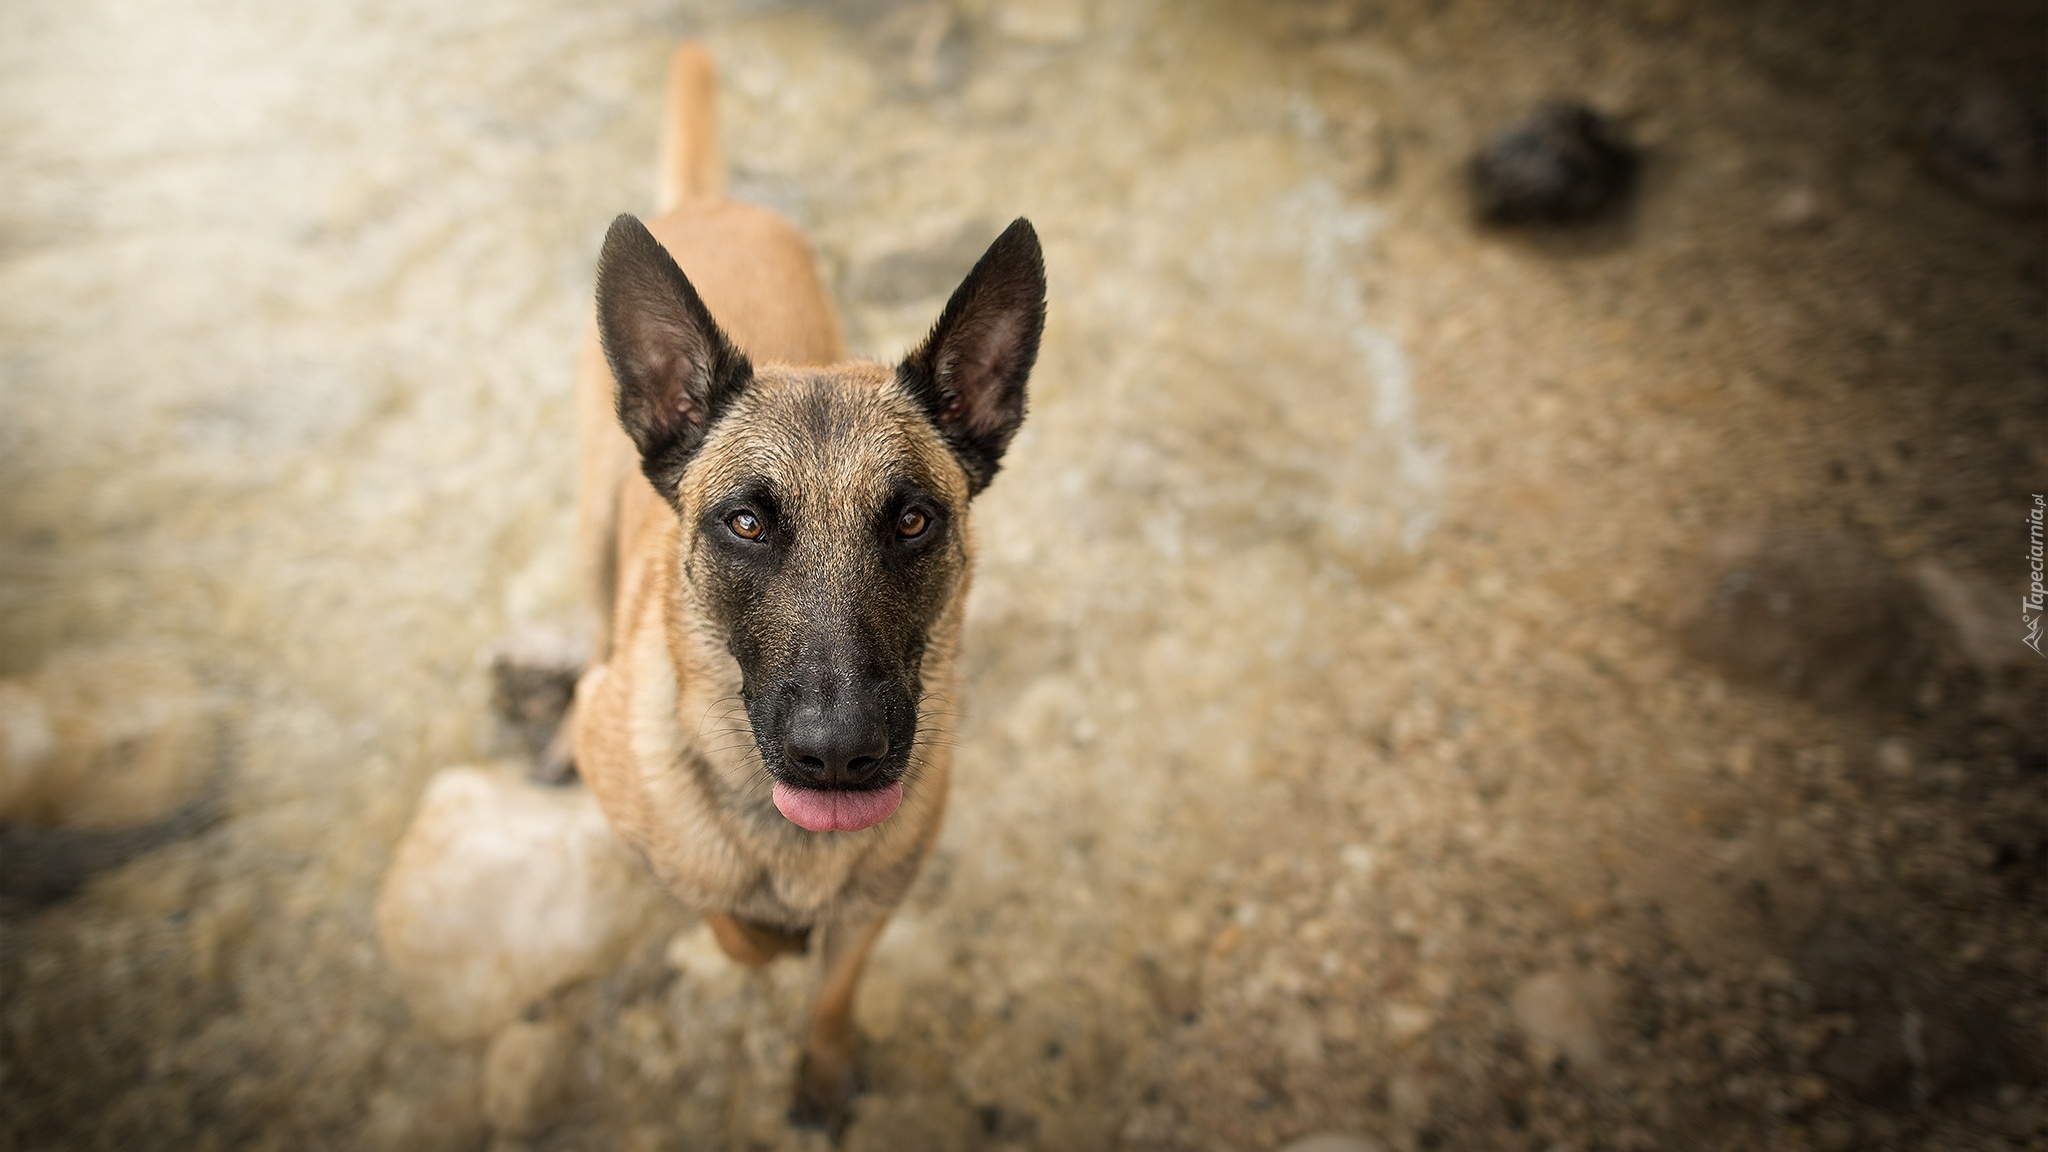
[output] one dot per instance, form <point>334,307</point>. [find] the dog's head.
<point>823,509</point>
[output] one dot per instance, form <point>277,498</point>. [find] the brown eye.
<point>744,525</point>
<point>911,524</point>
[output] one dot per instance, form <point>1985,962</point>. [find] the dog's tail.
<point>690,166</point>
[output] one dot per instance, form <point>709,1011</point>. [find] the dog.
<point>779,541</point>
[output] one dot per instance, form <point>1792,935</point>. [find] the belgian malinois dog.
<point>783,575</point>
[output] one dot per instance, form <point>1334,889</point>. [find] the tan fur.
<point>659,733</point>
<point>756,275</point>
<point>691,165</point>
<point>667,694</point>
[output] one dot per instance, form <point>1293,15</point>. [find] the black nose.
<point>836,747</point>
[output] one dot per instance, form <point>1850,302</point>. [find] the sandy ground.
<point>1332,760</point>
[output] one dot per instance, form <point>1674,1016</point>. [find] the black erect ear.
<point>676,372</point>
<point>970,372</point>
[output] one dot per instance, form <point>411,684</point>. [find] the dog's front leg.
<point>753,944</point>
<point>827,1080</point>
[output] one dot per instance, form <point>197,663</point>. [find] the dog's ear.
<point>676,372</point>
<point>970,372</point>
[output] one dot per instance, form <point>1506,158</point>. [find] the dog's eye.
<point>744,525</point>
<point>911,524</point>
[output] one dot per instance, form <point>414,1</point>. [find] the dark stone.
<point>1990,145</point>
<point>1560,162</point>
<point>1915,1037</point>
<point>1871,1062</point>
<point>1820,614</point>
<point>40,866</point>
<point>1852,972</point>
<point>533,679</point>
<point>923,273</point>
<point>1000,1124</point>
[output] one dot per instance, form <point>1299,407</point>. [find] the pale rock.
<point>26,738</point>
<point>1895,757</point>
<point>1797,209</point>
<point>1334,1142</point>
<point>1565,1008</point>
<point>105,739</point>
<point>500,892</point>
<point>523,1076</point>
<point>1043,21</point>
<point>1405,1022</point>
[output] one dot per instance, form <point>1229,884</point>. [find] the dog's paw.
<point>825,1091</point>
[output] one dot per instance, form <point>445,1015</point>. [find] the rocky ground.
<point>1457,687</point>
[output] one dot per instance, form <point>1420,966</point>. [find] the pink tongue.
<point>827,811</point>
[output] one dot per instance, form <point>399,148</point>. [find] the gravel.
<point>1322,679</point>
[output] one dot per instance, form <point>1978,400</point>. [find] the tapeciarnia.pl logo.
<point>2031,604</point>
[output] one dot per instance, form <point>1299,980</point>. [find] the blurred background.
<point>1444,684</point>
